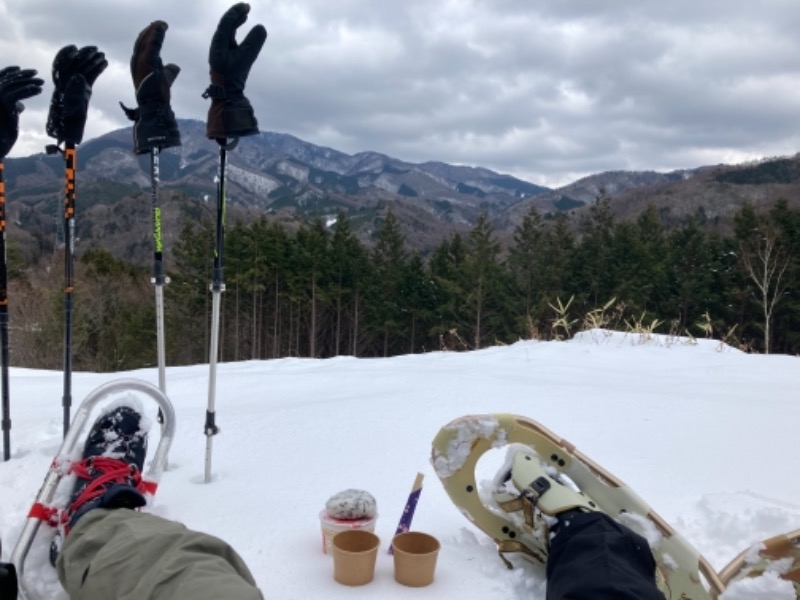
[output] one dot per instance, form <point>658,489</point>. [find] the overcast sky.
<point>546,90</point>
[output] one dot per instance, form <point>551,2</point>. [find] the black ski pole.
<point>217,287</point>
<point>15,84</point>
<point>74,72</point>
<point>4,319</point>
<point>70,158</point>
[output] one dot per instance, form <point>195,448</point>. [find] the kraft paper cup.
<point>415,555</point>
<point>354,556</point>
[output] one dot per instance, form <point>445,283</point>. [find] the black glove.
<point>155,124</point>
<point>74,73</point>
<point>231,114</point>
<point>15,85</point>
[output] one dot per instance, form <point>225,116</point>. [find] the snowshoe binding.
<point>109,474</point>
<point>546,475</point>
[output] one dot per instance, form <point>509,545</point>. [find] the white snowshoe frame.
<point>71,442</point>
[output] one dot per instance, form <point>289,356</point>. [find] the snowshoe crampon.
<point>43,509</point>
<point>778,556</point>
<point>682,573</point>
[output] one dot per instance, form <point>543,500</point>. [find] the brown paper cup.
<point>354,555</point>
<point>415,555</point>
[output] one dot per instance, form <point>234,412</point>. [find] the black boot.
<point>110,473</point>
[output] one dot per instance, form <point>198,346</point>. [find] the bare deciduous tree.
<point>765,262</point>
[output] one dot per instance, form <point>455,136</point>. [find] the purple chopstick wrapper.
<point>408,512</point>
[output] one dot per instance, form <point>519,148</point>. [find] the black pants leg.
<point>592,557</point>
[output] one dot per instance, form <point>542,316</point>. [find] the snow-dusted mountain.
<point>293,182</point>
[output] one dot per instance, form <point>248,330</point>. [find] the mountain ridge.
<point>294,182</point>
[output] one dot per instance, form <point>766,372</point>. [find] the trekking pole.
<point>217,287</point>
<point>15,84</point>
<point>230,117</point>
<point>70,158</point>
<point>154,129</point>
<point>70,164</point>
<point>4,319</point>
<point>159,279</point>
<point>74,70</point>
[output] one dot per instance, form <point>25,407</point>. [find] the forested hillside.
<point>319,292</point>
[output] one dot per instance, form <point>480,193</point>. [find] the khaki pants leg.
<point>127,555</point>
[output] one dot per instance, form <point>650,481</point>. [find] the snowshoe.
<point>108,469</point>
<point>549,475</point>
<point>778,556</point>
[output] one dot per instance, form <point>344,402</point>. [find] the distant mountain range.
<point>295,182</point>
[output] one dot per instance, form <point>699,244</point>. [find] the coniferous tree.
<point>483,278</point>
<point>276,247</point>
<point>349,269</point>
<point>235,300</point>
<point>638,264</point>
<point>187,304</point>
<point>558,281</point>
<point>592,266</point>
<point>254,283</point>
<point>312,261</point>
<point>527,262</point>
<point>447,265</point>
<point>418,290</point>
<point>689,274</point>
<point>389,259</point>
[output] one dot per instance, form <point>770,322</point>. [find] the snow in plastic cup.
<point>330,527</point>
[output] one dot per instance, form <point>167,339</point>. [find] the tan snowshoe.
<point>779,555</point>
<point>518,519</point>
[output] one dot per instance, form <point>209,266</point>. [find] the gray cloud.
<point>548,91</point>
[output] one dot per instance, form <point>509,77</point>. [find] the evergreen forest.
<point>320,292</point>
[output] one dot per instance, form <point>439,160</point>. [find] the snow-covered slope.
<point>705,433</point>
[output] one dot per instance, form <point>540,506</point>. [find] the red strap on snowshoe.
<point>48,514</point>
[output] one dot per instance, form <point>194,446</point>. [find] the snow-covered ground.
<point>706,434</point>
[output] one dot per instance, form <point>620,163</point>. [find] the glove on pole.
<point>74,74</point>
<point>231,114</point>
<point>155,125</point>
<point>15,85</point>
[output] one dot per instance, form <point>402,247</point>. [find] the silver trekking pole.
<point>159,280</point>
<point>217,287</point>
